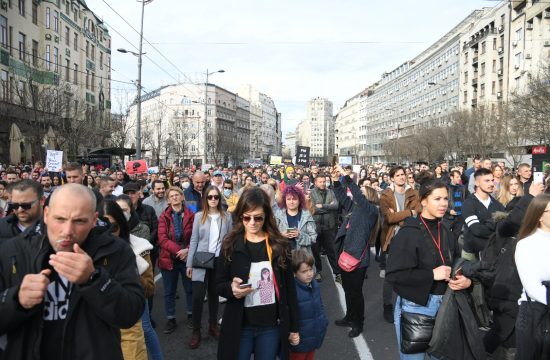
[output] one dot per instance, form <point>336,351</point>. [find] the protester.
<point>230,196</point>
<point>294,220</point>
<point>102,288</point>
<point>158,200</point>
<point>533,268</point>
<point>420,259</point>
<point>193,194</point>
<point>313,321</point>
<point>358,229</point>
<point>174,233</point>
<point>510,191</point>
<point>255,276</point>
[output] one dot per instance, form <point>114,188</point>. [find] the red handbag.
<point>348,263</point>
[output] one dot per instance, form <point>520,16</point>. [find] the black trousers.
<point>352,282</point>
<point>529,346</point>
<point>199,290</point>
<point>325,239</point>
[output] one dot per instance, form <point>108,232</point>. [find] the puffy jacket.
<point>97,311</point>
<point>167,236</point>
<point>193,198</point>
<point>8,227</point>
<point>312,319</point>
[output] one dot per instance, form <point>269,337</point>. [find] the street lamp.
<point>205,155</point>
<point>139,55</point>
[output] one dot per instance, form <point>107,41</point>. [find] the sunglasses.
<point>228,188</point>
<point>213,197</point>
<point>257,218</point>
<point>24,206</point>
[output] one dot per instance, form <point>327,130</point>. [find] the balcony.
<point>474,102</point>
<point>474,82</point>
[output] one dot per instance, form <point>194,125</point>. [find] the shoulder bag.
<point>205,259</point>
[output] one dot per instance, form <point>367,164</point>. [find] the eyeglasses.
<point>257,218</point>
<point>213,197</point>
<point>24,206</point>
<point>227,188</point>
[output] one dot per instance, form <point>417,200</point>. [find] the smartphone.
<point>538,177</point>
<point>290,229</point>
<point>245,286</point>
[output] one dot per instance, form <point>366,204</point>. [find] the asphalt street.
<point>377,341</point>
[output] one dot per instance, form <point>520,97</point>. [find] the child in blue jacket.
<point>311,313</point>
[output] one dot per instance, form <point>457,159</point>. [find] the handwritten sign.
<point>276,160</point>
<point>302,155</point>
<point>54,160</point>
<point>136,167</point>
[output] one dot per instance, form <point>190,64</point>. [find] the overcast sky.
<point>292,50</point>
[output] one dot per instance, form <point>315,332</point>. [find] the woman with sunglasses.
<point>254,323</point>
<point>174,233</point>
<point>209,228</point>
<point>141,337</point>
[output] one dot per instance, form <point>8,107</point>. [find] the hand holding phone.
<point>538,177</point>
<point>245,286</point>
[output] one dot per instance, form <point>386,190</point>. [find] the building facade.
<point>317,130</point>
<point>265,123</point>
<point>347,127</point>
<point>55,77</point>
<point>290,145</point>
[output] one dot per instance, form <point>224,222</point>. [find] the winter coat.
<point>326,217</point>
<point>239,266</point>
<point>393,220</point>
<point>479,224</point>
<point>200,240</point>
<point>412,258</point>
<point>361,220</point>
<point>231,201</point>
<point>312,319</point>
<point>148,215</point>
<point>167,236</point>
<point>307,236</point>
<point>193,198</point>
<point>139,228</point>
<point>8,227</point>
<point>97,310</point>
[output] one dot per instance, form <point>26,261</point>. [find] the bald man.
<point>80,290</point>
<point>193,194</point>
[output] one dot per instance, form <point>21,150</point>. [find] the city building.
<point>173,125</point>
<point>265,123</point>
<point>317,130</point>
<point>55,79</point>
<point>420,93</point>
<point>347,127</point>
<point>290,144</point>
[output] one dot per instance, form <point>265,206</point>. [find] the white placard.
<point>54,160</point>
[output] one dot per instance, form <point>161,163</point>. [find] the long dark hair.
<point>428,187</point>
<point>205,205</point>
<point>251,199</point>
<point>111,208</point>
<point>534,212</point>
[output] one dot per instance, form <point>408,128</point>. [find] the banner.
<point>345,160</point>
<point>302,155</point>
<point>275,160</point>
<point>136,167</point>
<point>54,160</point>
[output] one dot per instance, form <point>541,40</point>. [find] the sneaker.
<point>355,332</point>
<point>170,326</point>
<point>382,274</point>
<point>222,300</point>
<point>338,278</point>
<point>190,321</point>
<point>343,322</point>
<point>388,313</point>
<point>318,277</point>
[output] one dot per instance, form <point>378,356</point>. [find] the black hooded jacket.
<point>97,310</point>
<point>412,258</point>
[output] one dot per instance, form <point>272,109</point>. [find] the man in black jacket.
<point>27,199</point>
<point>67,293</point>
<point>477,211</point>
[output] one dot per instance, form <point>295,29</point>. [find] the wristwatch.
<point>93,276</point>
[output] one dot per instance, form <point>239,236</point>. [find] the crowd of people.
<point>79,250</point>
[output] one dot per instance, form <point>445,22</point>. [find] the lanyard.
<point>438,242</point>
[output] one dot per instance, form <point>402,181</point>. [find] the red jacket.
<point>167,236</point>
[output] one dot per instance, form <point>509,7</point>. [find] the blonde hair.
<point>176,189</point>
<point>504,196</point>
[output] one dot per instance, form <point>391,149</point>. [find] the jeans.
<point>170,280</point>
<point>199,290</point>
<point>263,342</point>
<point>352,282</point>
<point>434,301</point>
<point>151,338</point>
